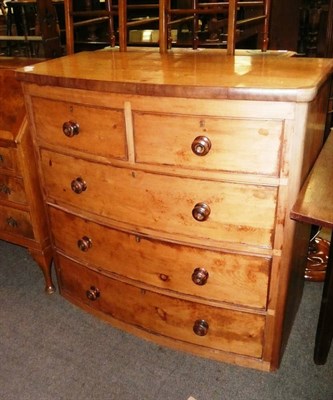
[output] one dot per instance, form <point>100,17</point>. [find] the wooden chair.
<point>91,17</point>
<point>237,20</point>
<point>118,16</point>
<point>142,17</point>
<point>44,31</point>
<point>3,7</point>
<point>239,23</point>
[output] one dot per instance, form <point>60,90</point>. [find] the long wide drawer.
<point>79,127</point>
<point>223,144</point>
<point>191,322</point>
<point>192,208</point>
<point>213,275</point>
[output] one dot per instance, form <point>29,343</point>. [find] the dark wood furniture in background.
<point>315,206</point>
<point>89,14</point>
<point>219,23</point>
<point>22,214</point>
<point>228,22</point>
<point>34,24</point>
<point>307,27</point>
<point>307,24</point>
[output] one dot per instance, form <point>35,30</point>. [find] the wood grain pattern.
<point>106,125</point>
<point>238,332</point>
<point>175,74</point>
<point>163,204</point>
<point>234,279</point>
<point>250,147</point>
<point>265,117</point>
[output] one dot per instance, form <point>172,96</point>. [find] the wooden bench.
<point>314,205</point>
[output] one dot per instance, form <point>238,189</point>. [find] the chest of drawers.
<point>168,181</point>
<point>22,214</point>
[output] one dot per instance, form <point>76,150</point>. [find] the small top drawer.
<point>234,145</point>
<point>99,131</point>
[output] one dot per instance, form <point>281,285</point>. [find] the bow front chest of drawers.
<point>169,180</point>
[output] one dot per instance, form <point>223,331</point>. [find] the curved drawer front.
<point>211,275</point>
<point>16,222</point>
<point>7,158</point>
<point>191,322</point>
<point>97,130</point>
<point>246,146</point>
<point>178,206</point>
<point>12,189</point>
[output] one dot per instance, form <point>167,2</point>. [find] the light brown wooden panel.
<point>233,278</point>
<point>237,332</point>
<point>239,213</point>
<point>101,130</point>
<point>237,145</point>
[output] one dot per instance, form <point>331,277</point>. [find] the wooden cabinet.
<point>22,214</point>
<point>168,181</point>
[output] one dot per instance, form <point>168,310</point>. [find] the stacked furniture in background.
<point>228,21</point>
<point>22,214</point>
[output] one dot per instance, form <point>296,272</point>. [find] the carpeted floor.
<point>51,350</point>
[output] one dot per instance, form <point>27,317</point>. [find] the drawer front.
<point>12,189</point>
<point>211,275</point>
<point>238,213</point>
<point>8,159</point>
<point>247,146</point>
<point>99,131</point>
<point>16,222</point>
<point>221,329</point>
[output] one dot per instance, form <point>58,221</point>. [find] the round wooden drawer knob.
<point>201,146</point>
<point>71,128</point>
<point>201,212</point>
<point>200,327</point>
<point>12,222</point>
<point>84,243</point>
<point>78,185</point>
<point>93,293</point>
<point>200,276</point>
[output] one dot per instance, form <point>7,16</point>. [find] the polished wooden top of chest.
<point>186,73</point>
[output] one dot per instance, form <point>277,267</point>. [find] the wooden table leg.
<point>324,333</point>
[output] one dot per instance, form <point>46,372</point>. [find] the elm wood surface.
<point>314,205</point>
<point>22,215</point>
<point>157,213</point>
